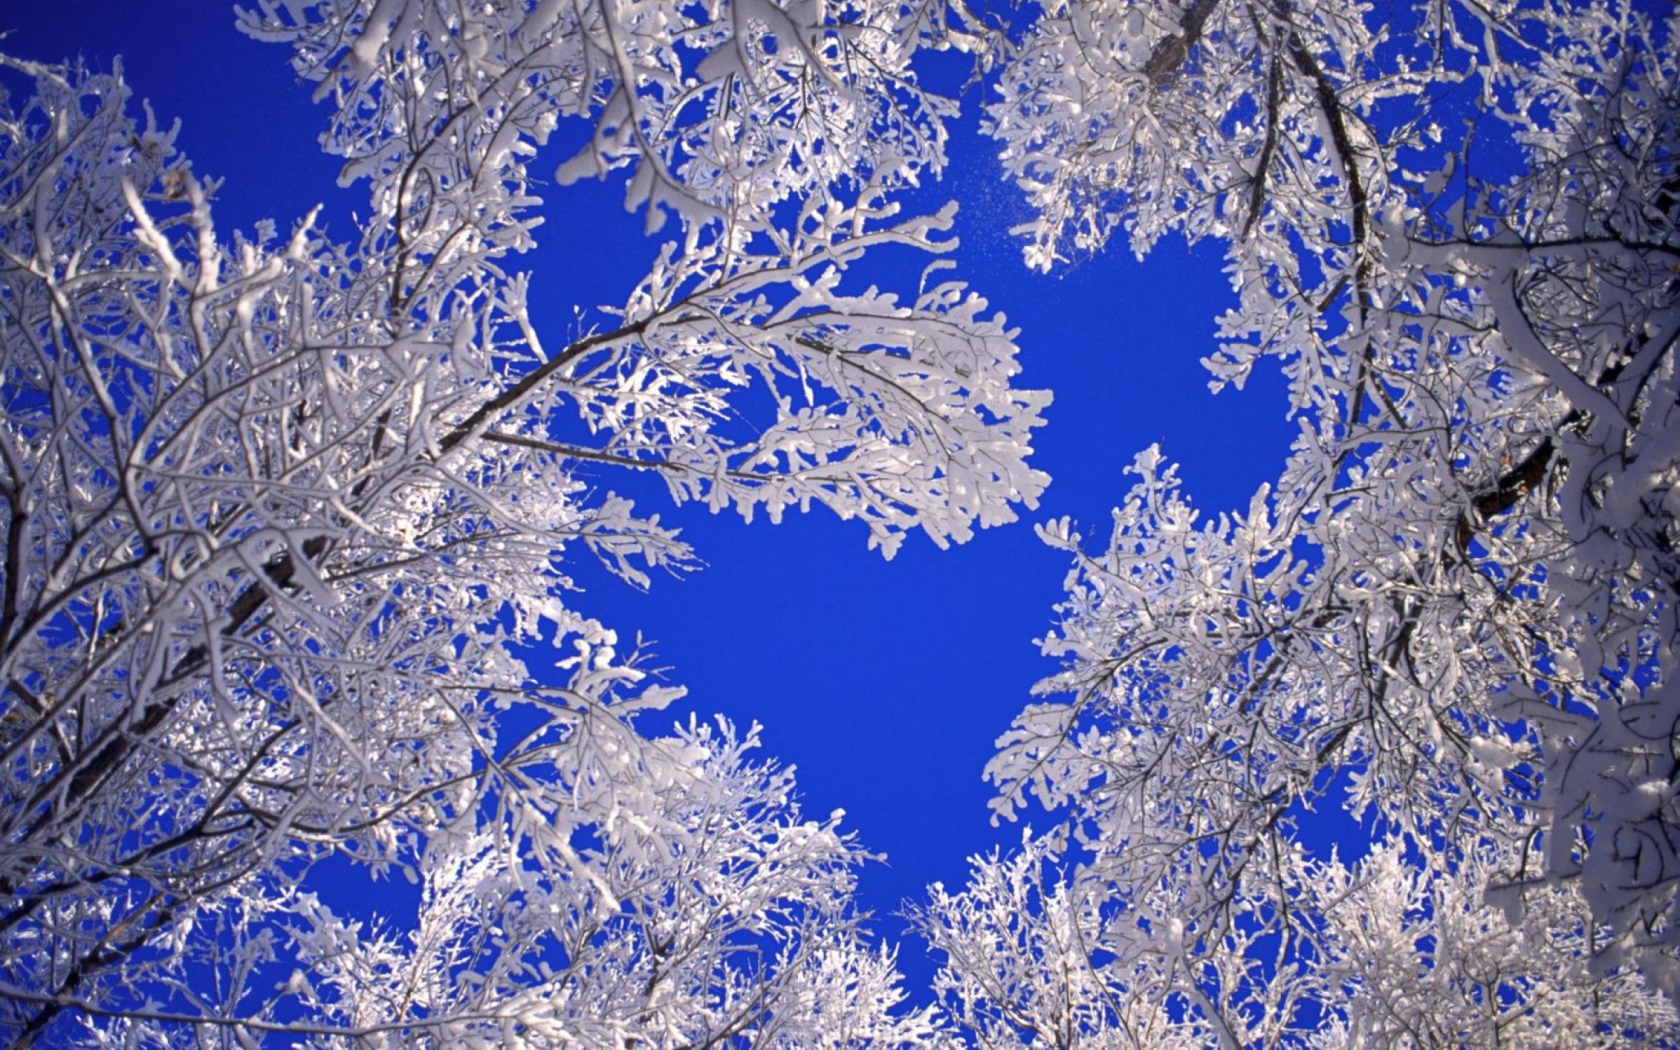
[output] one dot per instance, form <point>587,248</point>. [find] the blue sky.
<point>885,683</point>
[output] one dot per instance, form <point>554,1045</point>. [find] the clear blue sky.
<point>884,683</point>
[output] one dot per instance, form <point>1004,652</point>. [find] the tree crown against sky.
<point>284,511</point>
<point>1453,612</point>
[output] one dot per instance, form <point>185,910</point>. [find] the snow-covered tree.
<point>281,513</point>
<point>1455,227</point>
<point>703,911</point>
<point>1395,951</point>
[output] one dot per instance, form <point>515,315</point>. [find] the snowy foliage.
<point>705,912</point>
<point>281,515</point>
<point>284,516</point>
<point>1453,614</point>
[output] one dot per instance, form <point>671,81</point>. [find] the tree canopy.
<point>1453,611</point>
<point>288,518</point>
